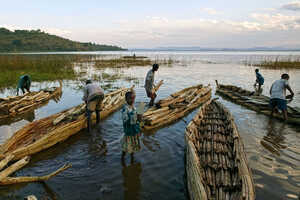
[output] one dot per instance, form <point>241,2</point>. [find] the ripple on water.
<point>158,172</point>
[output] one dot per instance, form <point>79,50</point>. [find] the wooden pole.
<point>26,179</point>
<point>16,166</point>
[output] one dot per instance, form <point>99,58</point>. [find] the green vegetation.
<point>121,62</point>
<point>40,68</point>
<point>129,62</point>
<point>293,62</point>
<point>36,40</point>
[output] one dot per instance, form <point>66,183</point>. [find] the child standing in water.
<point>132,131</point>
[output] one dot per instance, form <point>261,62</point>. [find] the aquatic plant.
<point>292,62</point>
<point>39,67</point>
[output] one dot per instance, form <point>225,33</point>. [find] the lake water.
<point>159,171</point>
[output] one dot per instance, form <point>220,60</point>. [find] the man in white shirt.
<point>278,95</point>
<point>93,96</point>
<point>149,83</point>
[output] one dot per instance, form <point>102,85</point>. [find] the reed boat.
<point>253,101</point>
<point>17,105</point>
<point>44,133</point>
<point>216,164</point>
<point>176,106</point>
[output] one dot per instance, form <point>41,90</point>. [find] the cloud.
<point>258,30</point>
<point>211,11</point>
<point>294,6</point>
<point>54,31</point>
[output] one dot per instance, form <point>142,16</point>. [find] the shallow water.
<point>158,171</point>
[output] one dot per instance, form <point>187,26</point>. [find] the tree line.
<point>37,40</point>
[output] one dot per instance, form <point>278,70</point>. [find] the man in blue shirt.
<point>24,83</point>
<point>259,80</point>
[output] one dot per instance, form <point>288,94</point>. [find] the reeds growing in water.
<point>292,62</point>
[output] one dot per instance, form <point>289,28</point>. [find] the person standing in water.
<point>149,84</point>
<point>259,80</point>
<point>131,140</point>
<point>278,95</point>
<point>93,96</point>
<point>24,84</point>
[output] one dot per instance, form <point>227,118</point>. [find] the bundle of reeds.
<point>15,105</point>
<point>6,169</point>
<point>175,106</point>
<point>216,164</point>
<point>46,132</point>
<point>258,103</point>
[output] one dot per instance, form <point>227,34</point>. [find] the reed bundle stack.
<point>16,105</point>
<point>175,106</point>
<point>44,133</point>
<point>216,163</point>
<point>258,103</point>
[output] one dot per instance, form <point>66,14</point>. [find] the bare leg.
<point>97,116</point>
<point>132,157</point>
<point>284,113</point>
<point>123,155</point>
<point>259,88</point>
<point>89,121</point>
<point>273,110</point>
<point>153,96</point>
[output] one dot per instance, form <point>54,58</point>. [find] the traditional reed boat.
<point>216,163</point>
<point>18,105</point>
<point>176,106</point>
<point>258,103</point>
<point>44,133</point>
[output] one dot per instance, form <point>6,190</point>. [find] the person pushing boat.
<point>24,84</point>
<point>259,80</point>
<point>278,95</point>
<point>149,84</point>
<point>93,96</point>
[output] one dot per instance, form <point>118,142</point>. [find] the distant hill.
<point>36,40</point>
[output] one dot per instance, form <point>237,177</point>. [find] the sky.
<point>161,23</point>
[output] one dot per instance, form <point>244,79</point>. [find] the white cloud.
<point>211,11</point>
<point>294,6</point>
<point>259,30</point>
<point>54,31</point>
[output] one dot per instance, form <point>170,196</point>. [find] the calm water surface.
<point>158,171</point>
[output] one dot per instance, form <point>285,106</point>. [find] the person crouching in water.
<point>259,80</point>
<point>93,96</point>
<point>131,140</point>
<point>149,83</point>
<point>278,95</point>
<point>24,84</point>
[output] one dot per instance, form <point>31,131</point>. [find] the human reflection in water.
<point>274,140</point>
<point>132,181</point>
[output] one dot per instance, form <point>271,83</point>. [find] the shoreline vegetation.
<point>130,62</point>
<point>289,63</point>
<point>39,41</point>
<point>62,67</point>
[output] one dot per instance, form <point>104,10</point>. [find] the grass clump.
<point>121,63</point>
<point>130,62</point>
<point>279,63</point>
<point>39,67</point>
